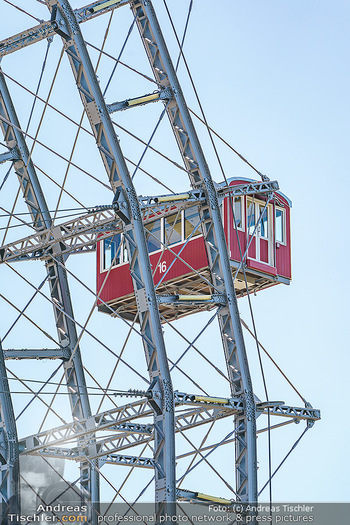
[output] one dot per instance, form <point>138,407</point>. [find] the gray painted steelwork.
<point>128,435</point>
<point>229,320</point>
<point>9,454</point>
<point>47,30</point>
<point>37,353</point>
<point>58,281</point>
<point>119,420</point>
<point>10,155</point>
<point>134,235</point>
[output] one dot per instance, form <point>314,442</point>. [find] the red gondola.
<point>264,229</point>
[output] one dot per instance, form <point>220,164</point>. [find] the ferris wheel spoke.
<point>204,458</point>
<point>29,319</point>
<point>36,395</point>
<point>195,454</point>
<point>132,469</point>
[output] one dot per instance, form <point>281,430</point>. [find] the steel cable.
<point>23,11</point>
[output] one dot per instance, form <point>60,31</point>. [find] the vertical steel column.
<point>58,281</point>
<point>229,320</point>
<point>140,269</point>
<point>9,457</point>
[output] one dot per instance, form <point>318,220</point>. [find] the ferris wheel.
<point>124,370</point>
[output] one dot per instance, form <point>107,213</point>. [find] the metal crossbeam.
<point>81,234</point>
<point>47,29</point>
<point>306,413</point>
<point>116,445</point>
<point>79,429</point>
<point>131,461</point>
<point>119,420</point>
<point>126,433</point>
<point>37,353</point>
<point>111,458</point>
<point>164,94</point>
<point>251,188</point>
<point>192,299</point>
<point>120,441</point>
<point>129,434</point>
<point>11,155</point>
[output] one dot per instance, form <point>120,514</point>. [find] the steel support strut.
<point>59,289</point>
<point>194,160</point>
<point>9,458</point>
<point>46,30</point>
<point>134,235</point>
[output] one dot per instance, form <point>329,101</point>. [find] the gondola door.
<point>260,237</point>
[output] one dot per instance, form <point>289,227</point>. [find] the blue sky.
<point>273,79</point>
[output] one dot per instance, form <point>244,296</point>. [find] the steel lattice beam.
<point>116,419</point>
<point>9,454</point>
<point>37,353</point>
<point>47,29</point>
<point>124,433</point>
<point>229,320</point>
<point>82,233</point>
<point>129,435</point>
<point>121,183</point>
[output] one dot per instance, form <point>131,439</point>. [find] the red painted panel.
<point>234,247</point>
<point>283,252</point>
<point>262,267</point>
<point>119,283</point>
<point>264,251</point>
<point>251,249</point>
<point>194,254</point>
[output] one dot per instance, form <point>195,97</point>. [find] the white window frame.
<point>284,226</point>
<point>121,255</point>
<point>269,217</point>
<point>239,228</point>
<point>270,228</point>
